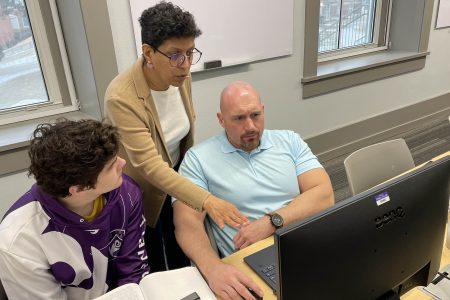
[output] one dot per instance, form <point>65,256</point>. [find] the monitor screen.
<point>384,241</point>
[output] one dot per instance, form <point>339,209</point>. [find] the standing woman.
<point>151,104</point>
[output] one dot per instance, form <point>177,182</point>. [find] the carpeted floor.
<point>425,142</point>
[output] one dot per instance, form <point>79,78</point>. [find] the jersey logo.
<point>116,241</point>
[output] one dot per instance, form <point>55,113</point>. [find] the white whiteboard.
<point>234,31</point>
<point>443,14</point>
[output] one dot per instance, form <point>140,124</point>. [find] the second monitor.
<point>377,244</point>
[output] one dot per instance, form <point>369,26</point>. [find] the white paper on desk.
<point>441,290</point>
<point>175,284</point>
<point>167,285</point>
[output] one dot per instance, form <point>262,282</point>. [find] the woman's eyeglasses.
<point>177,59</point>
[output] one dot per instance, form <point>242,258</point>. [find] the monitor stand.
<point>419,278</point>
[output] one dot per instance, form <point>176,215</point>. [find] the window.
<point>21,80</point>
<point>46,57</point>
<point>347,27</point>
<point>35,79</point>
<point>351,42</point>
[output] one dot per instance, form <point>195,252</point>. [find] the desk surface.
<point>237,259</point>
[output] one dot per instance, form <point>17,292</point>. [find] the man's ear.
<point>220,118</point>
<point>76,189</point>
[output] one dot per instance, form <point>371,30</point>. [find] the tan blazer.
<point>130,107</point>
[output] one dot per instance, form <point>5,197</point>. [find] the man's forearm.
<point>198,248</point>
<point>192,238</point>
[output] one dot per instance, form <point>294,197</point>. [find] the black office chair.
<point>2,292</point>
<point>209,232</point>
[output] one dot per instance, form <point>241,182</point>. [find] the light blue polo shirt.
<point>257,183</point>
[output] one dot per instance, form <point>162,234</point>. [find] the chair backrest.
<point>377,163</point>
<point>209,232</point>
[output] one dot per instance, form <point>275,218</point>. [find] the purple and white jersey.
<point>49,252</point>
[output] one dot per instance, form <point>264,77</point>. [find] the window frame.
<point>53,59</point>
<point>86,36</point>
<point>409,31</point>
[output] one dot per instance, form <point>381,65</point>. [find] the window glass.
<point>346,24</point>
<point>21,79</point>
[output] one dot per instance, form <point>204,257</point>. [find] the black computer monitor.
<point>379,243</point>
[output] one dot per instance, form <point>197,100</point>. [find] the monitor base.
<point>391,295</point>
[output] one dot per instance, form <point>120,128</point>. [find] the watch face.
<point>277,220</point>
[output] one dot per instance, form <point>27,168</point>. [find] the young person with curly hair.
<point>79,231</point>
<point>151,104</point>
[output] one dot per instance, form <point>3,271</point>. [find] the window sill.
<point>15,139</point>
<point>336,75</point>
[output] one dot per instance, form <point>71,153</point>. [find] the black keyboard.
<point>269,272</point>
<point>263,263</point>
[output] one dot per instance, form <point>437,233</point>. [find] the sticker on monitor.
<point>382,198</point>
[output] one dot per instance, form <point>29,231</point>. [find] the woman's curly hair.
<point>68,153</point>
<point>164,21</point>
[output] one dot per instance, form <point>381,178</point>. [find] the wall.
<point>13,186</point>
<point>278,81</point>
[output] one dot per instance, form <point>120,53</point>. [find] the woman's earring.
<point>149,65</point>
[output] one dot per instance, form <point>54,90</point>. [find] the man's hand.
<point>253,232</point>
<point>228,282</point>
<point>223,212</point>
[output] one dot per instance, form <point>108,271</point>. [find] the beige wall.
<point>12,187</point>
<point>278,80</point>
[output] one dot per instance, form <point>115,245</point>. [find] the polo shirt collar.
<point>228,148</point>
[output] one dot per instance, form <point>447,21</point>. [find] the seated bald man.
<point>270,175</point>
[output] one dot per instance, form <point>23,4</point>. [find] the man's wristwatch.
<point>276,220</point>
